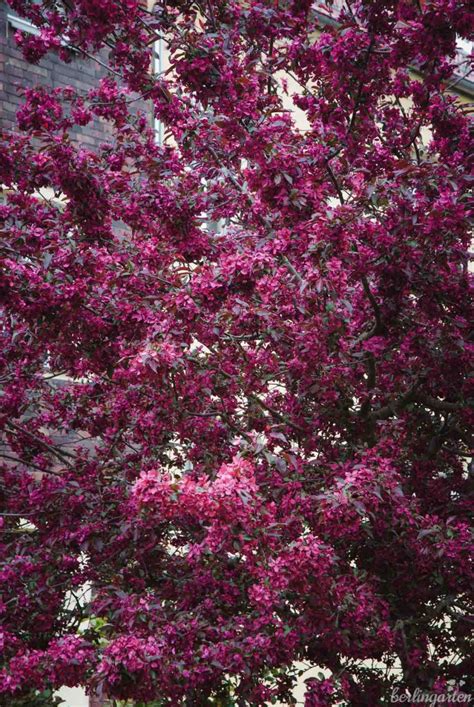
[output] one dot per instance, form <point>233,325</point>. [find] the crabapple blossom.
<point>235,394</point>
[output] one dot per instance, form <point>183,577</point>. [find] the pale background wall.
<point>74,697</point>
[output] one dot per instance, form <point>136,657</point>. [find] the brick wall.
<point>15,73</point>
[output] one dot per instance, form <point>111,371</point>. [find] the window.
<point>157,68</point>
<point>18,23</point>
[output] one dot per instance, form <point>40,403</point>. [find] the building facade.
<point>81,73</point>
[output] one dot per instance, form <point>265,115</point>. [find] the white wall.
<point>73,697</point>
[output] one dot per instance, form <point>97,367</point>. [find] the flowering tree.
<point>248,437</point>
